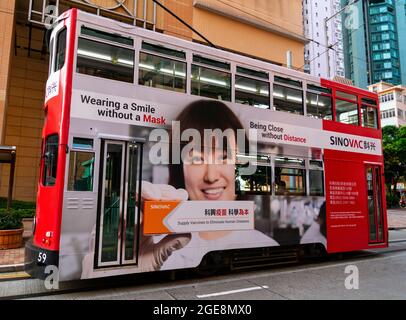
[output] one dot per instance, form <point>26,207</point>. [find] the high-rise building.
<point>375,42</point>
<point>392,103</point>
<point>323,28</point>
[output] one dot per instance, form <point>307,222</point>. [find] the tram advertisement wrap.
<point>268,208</point>
<point>288,130</point>
<point>166,217</point>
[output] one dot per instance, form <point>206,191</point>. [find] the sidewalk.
<point>12,260</point>
<point>396,219</point>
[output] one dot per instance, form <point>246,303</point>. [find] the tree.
<point>394,152</point>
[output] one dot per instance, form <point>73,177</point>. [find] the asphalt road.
<point>382,275</point>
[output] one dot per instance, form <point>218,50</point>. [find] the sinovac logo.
<point>52,87</point>
<point>160,206</point>
<point>357,144</point>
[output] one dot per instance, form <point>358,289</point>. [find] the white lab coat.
<point>313,235</point>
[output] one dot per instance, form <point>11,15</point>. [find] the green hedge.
<point>21,209</point>
<point>17,204</point>
<point>392,201</point>
<point>10,219</point>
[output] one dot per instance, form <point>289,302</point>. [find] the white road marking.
<point>223,293</point>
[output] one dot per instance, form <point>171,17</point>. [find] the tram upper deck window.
<point>318,102</point>
<point>50,161</point>
<point>51,55</point>
<point>288,95</point>
<point>369,113</point>
<point>346,108</point>
<point>112,37</point>
<point>159,68</point>
<point>60,50</point>
<point>105,60</point>
<point>257,183</point>
<point>290,176</point>
<point>369,117</point>
<point>211,78</point>
<point>250,90</point>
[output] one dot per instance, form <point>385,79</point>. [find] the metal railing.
<point>136,12</point>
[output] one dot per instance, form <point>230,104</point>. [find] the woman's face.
<point>209,174</point>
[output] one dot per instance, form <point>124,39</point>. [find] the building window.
<point>390,113</point>
<point>50,161</point>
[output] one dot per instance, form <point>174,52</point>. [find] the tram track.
<point>36,288</point>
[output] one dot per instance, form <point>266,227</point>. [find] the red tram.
<point>109,204</point>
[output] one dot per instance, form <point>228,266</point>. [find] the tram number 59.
<point>42,257</point>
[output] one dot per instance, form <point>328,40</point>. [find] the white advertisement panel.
<point>87,105</point>
<point>165,217</point>
<point>52,86</point>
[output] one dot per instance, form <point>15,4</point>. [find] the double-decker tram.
<point>124,183</point>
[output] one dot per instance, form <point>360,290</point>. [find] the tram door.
<point>118,214</point>
<point>375,210</point>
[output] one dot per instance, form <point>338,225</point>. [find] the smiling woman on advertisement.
<point>208,174</point>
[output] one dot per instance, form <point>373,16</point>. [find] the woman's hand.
<point>153,255</point>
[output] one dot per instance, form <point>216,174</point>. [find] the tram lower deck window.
<point>105,61</point>
<point>316,183</point>
<point>81,169</point>
<point>290,181</point>
<point>50,161</point>
<point>257,183</point>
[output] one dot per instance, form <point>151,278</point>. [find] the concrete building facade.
<point>375,49</point>
<point>392,103</point>
<point>264,29</point>
<point>324,29</point>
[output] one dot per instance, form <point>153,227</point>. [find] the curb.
<point>12,268</point>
